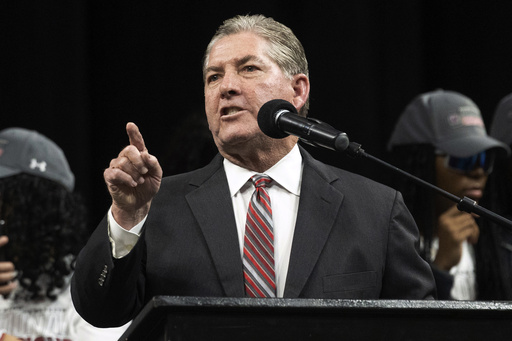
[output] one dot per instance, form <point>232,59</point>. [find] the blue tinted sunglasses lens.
<point>466,164</point>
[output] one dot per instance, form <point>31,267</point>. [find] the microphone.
<point>279,118</point>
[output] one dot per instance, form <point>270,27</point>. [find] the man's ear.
<point>300,84</point>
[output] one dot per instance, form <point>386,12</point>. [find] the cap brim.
<point>8,171</point>
<point>471,145</point>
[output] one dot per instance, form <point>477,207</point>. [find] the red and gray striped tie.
<point>258,259</point>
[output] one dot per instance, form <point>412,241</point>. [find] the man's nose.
<point>230,85</point>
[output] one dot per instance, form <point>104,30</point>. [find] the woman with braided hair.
<point>42,228</point>
<point>441,138</point>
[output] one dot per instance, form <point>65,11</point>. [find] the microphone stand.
<point>465,204</point>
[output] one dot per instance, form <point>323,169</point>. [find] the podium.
<point>169,318</point>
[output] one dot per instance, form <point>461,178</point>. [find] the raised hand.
<point>454,227</point>
<point>132,179</point>
<point>7,272</point>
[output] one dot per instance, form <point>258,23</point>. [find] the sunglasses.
<point>484,160</point>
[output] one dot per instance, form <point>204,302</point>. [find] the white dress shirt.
<point>284,194</point>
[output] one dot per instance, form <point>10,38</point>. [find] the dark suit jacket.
<point>354,239</point>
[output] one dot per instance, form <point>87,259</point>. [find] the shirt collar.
<point>287,173</point>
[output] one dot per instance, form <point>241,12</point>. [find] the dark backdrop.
<point>78,70</point>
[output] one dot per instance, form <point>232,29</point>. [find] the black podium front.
<point>198,318</point>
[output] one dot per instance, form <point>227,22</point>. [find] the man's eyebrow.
<point>239,62</point>
<point>212,68</point>
<point>249,58</point>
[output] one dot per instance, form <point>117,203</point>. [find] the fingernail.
<point>141,181</point>
<point>144,170</point>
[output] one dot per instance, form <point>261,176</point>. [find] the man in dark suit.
<point>332,234</point>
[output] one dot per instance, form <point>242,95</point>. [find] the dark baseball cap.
<point>27,151</point>
<point>449,121</point>
<point>501,126</point>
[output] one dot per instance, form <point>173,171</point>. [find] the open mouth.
<point>230,111</point>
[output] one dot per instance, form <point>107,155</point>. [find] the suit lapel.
<point>213,209</point>
<point>318,208</point>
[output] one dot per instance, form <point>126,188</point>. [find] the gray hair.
<point>284,47</point>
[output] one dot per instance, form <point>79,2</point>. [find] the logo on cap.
<point>41,165</point>
<point>466,116</point>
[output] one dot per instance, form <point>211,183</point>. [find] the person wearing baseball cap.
<point>441,138</point>
<point>501,127</point>
<point>43,225</point>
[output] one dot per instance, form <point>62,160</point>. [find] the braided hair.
<point>46,226</point>
<point>494,262</point>
<point>418,160</point>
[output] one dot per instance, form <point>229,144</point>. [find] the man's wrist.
<point>128,219</point>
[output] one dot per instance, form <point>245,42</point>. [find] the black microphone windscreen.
<point>267,117</point>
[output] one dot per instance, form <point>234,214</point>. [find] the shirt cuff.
<point>122,240</point>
